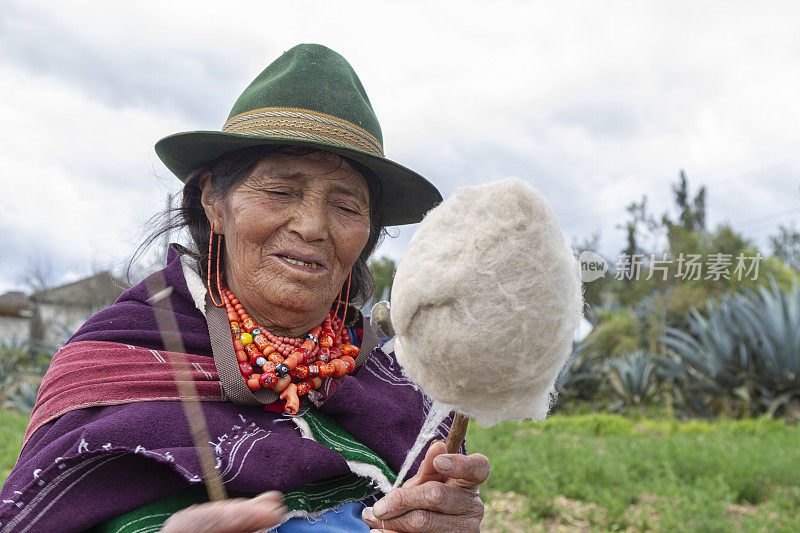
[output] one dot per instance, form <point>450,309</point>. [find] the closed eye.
<point>275,193</point>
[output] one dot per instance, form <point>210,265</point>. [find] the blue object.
<point>345,518</point>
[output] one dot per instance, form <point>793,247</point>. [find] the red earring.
<point>210,253</point>
<point>346,302</point>
<point>338,302</point>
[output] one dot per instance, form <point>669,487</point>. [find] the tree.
<point>383,271</point>
<point>664,290</point>
<point>634,259</point>
<point>629,269</point>
<point>40,273</point>
<point>691,214</point>
<point>786,245</point>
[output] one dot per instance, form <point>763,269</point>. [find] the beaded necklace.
<point>291,367</point>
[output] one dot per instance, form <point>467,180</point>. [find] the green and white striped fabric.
<point>328,432</point>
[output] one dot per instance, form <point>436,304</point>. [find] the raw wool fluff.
<point>485,302</point>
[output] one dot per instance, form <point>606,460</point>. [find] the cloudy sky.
<point>594,103</point>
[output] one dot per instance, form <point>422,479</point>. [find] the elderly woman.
<point>309,417</point>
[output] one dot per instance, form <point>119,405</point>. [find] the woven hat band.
<point>303,124</point>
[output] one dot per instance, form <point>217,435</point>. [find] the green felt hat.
<point>309,96</point>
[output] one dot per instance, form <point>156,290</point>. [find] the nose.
<point>310,220</point>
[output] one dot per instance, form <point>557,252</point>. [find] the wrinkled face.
<point>293,229</point>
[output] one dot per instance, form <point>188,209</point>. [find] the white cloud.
<point>77,175</point>
<point>595,104</point>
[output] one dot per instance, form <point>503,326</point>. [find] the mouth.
<point>292,260</point>
<point>303,262</point>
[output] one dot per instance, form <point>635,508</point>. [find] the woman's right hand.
<point>237,515</point>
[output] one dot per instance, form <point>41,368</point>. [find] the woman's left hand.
<point>443,496</point>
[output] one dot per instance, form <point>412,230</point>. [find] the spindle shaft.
<point>458,429</point>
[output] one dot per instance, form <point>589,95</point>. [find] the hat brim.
<point>405,195</point>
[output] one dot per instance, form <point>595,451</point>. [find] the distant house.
<point>53,315</point>
<point>16,311</point>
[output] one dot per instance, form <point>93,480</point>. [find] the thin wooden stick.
<point>167,324</point>
<point>458,429</point>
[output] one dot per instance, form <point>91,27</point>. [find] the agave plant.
<point>24,396</point>
<point>747,350</point>
<point>771,321</point>
<point>715,350</point>
<point>9,365</point>
<point>715,364</point>
<point>634,377</point>
<point>15,343</point>
<point>41,353</point>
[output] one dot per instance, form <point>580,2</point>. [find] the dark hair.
<point>228,171</point>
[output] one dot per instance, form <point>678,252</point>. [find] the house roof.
<point>101,289</point>
<point>17,304</point>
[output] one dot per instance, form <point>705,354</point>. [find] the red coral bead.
<point>326,370</point>
<point>261,341</point>
<point>301,372</point>
<point>326,341</point>
<point>340,367</point>
<point>254,383</point>
<point>349,349</point>
<point>251,349</point>
<point>349,361</point>
<point>293,360</point>
<point>268,379</point>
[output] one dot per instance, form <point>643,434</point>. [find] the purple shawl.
<point>95,463</point>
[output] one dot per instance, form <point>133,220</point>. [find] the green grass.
<point>12,429</point>
<point>609,472</point>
